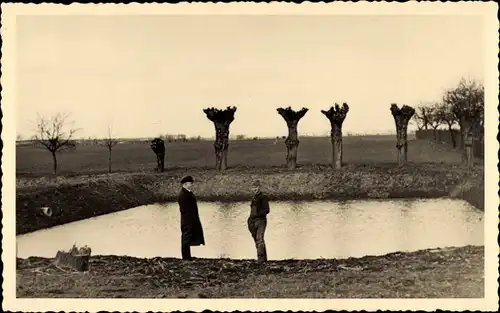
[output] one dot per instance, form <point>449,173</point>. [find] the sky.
<point>149,75</point>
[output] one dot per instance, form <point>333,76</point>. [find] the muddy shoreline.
<point>439,273</point>
<point>79,197</point>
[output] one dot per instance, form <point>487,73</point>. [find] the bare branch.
<point>109,141</point>
<point>51,134</point>
<point>433,114</point>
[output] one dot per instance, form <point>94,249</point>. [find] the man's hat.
<point>187,179</point>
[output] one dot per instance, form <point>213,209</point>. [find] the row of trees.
<point>436,114</point>
<point>462,105</point>
<point>56,135</point>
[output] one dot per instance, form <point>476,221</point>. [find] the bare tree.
<point>222,119</point>
<point>467,102</point>
<point>401,118</point>
<point>421,117</point>
<point>433,117</point>
<point>158,147</point>
<point>292,119</point>
<point>336,115</point>
<point>446,115</point>
<point>55,135</point>
<point>109,142</point>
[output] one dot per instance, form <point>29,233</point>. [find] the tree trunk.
<point>109,160</point>
<point>162,162</point>
<point>223,165</point>
<point>292,144</point>
<point>434,133</point>
<point>399,146</point>
<point>337,153</point>
<point>54,160</point>
<point>469,156</point>
<point>400,142</point>
<point>452,136</point>
<point>225,149</point>
<point>291,157</point>
<point>404,131</point>
<point>218,147</point>
<point>468,142</point>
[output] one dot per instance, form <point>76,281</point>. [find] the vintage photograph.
<point>231,154</point>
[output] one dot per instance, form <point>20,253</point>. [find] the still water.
<point>295,230</point>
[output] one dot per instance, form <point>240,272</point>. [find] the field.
<point>84,189</point>
<point>261,153</point>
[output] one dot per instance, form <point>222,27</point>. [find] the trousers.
<point>186,251</point>
<point>257,227</point>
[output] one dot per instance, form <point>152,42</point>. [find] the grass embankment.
<point>444,273</point>
<point>370,172</point>
<point>83,197</point>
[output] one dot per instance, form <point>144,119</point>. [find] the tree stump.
<point>158,147</point>
<point>336,115</point>
<point>222,120</point>
<point>402,118</point>
<point>76,259</point>
<point>292,119</point>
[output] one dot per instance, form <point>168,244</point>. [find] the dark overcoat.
<point>191,229</point>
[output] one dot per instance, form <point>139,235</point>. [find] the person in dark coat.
<point>257,221</point>
<point>191,229</point>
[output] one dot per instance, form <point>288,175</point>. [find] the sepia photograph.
<point>336,156</point>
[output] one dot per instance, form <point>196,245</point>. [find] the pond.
<point>296,230</point>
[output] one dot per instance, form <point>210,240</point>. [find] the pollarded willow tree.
<point>222,120</point>
<point>336,115</point>
<point>467,102</point>
<point>402,118</point>
<point>158,147</point>
<point>292,119</point>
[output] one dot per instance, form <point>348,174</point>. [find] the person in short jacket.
<point>257,221</point>
<point>191,229</point>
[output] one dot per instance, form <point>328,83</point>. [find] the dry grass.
<point>445,273</point>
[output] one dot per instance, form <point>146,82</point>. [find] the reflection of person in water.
<point>257,222</point>
<point>192,231</point>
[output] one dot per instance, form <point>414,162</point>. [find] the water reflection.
<point>295,230</point>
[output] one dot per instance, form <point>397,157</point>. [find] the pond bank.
<point>80,197</point>
<point>441,273</point>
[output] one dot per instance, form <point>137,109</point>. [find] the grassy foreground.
<point>83,191</point>
<point>443,273</point>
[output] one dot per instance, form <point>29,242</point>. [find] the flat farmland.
<point>261,153</point>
